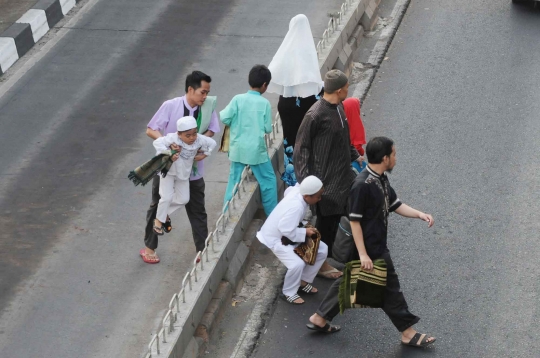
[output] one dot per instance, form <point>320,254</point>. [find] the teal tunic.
<point>249,117</point>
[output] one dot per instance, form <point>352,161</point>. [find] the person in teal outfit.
<point>249,117</point>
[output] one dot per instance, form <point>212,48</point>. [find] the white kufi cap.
<point>310,185</point>
<point>186,123</point>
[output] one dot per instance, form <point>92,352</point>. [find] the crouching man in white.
<point>174,188</point>
<point>280,233</point>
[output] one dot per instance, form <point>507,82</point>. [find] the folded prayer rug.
<point>159,164</point>
<point>362,289</point>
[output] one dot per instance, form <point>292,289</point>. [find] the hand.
<point>366,262</point>
<point>176,147</point>
<point>310,231</point>
<point>200,156</point>
<point>428,218</point>
<point>175,157</point>
<point>360,159</point>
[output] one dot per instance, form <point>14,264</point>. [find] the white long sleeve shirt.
<point>284,220</point>
<point>182,167</point>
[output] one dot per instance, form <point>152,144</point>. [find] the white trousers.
<point>174,193</point>
<point>297,269</point>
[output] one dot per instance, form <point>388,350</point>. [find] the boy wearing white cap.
<point>280,233</point>
<point>174,187</point>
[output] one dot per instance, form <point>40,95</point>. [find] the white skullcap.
<point>311,185</point>
<point>186,123</point>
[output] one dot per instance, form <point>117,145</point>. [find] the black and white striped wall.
<point>16,40</point>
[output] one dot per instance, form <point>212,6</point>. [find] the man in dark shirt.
<point>371,200</point>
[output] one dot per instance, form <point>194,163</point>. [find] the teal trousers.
<point>264,173</point>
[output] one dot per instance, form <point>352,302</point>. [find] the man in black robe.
<point>323,148</point>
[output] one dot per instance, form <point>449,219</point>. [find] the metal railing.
<point>202,257</point>
<point>335,20</point>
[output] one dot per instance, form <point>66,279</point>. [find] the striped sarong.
<point>361,289</point>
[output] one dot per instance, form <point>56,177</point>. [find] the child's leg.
<point>264,173</point>
<point>180,196</point>
<point>234,178</point>
<point>166,191</point>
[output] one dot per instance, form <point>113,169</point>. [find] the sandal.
<point>160,228</point>
<point>149,259</point>
<point>167,227</point>
<point>326,329</point>
<point>419,340</point>
<point>291,299</point>
<point>307,289</point>
<point>328,274</point>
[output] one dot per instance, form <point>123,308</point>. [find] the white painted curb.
<point>8,53</point>
<point>38,22</point>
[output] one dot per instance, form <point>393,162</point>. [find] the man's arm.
<point>228,113</point>
<point>153,133</point>
<point>302,148</point>
<point>355,155</point>
<point>288,226</point>
<point>358,236</point>
<point>408,212</point>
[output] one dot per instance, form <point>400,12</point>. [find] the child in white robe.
<point>174,188</point>
<point>283,223</point>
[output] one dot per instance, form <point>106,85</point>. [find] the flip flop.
<point>307,289</point>
<point>326,329</point>
<point>291,299</point>
<point>149,259</point>
<point>419,340</point>
<point>326,274</point>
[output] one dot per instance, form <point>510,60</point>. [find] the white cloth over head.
<point>295,66</point>
<point>186,123</point>
<point>310,185</point>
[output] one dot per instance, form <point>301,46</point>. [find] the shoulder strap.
<point>207,108</point>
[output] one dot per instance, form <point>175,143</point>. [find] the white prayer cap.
<point>310,185</point>
<point>186,123</point>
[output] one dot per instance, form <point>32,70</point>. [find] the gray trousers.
<point>394,304</point>
<point>195,209</point>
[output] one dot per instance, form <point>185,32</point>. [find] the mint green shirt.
<point>249,117</point>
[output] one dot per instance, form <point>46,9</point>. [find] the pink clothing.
<point>356,127</point>
<point>171,111</point>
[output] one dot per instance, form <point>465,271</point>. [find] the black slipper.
<point>167,227</point>
<point>291,299</point>
<point>419,340</point>
<point>307,289</point>
<point>326,329</point>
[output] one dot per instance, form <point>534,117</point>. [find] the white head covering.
<point>295,66</point>
<point>310,185</point>
<point>186,123</point>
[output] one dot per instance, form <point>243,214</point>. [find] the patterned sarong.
<point>361,289</point>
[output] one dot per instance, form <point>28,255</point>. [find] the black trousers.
<point>394,304</point>
<point>195,209</point>
<point>292,115</point>
<point>328,227</point>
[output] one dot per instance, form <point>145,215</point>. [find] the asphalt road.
<point>459,94</point>
<point>71,281</point>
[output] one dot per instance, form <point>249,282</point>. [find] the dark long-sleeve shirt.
<point>323,148</point>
